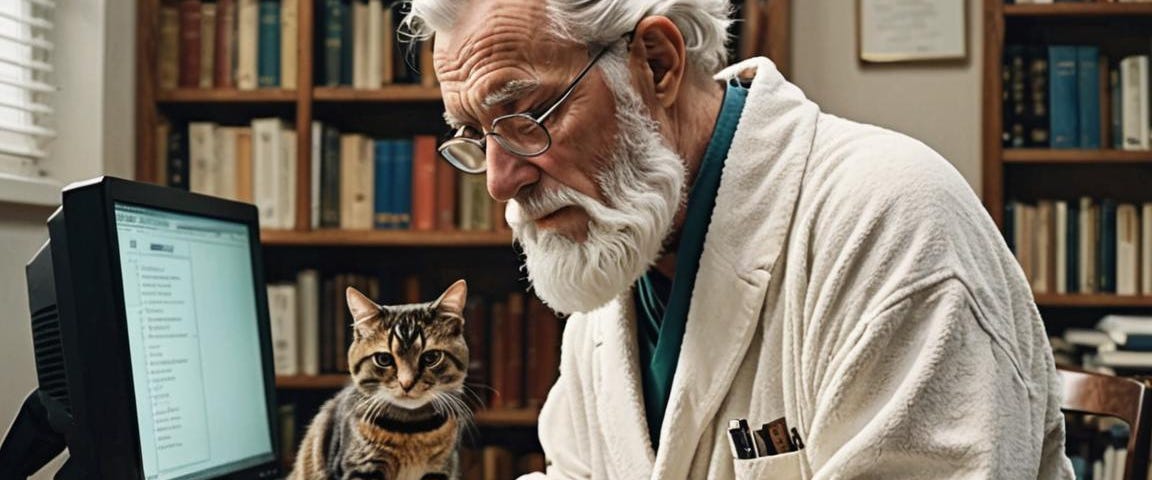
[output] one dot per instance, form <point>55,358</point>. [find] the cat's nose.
<point>407,384</point>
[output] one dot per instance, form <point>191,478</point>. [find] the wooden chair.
<point>1123,398</point>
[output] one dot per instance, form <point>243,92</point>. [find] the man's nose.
<point>507,173</point>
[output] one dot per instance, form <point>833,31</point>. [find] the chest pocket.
<point>779,467</point>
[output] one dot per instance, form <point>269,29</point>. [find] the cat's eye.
<point>431,358</point>
<point>383,360</point>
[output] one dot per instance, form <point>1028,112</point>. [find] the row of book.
<point>358,46</point>
<point>1119,344</point>
<point>244,44</point>
<point>514,340</point>
<point>1098,447</point>
<point>1069,96</point>
<point>358,183</point>
<point>1082,247</point>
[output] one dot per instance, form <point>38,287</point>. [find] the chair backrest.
<point>1123,398</point>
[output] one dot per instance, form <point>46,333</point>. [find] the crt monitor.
<point>151,337</point>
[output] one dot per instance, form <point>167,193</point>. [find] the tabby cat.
<point>401,417</point>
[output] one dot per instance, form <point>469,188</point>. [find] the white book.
<point>1061,247</point>
<point>1134,91</point>
<point>289,37</point>
<point>356,191</point>
<point>1120,457</point>
<point>1130,324</point>
<point>1146,249</point>
<point>266,164</point>
<point>314,167</point>
<point>286,191</point>
<point>359,44</point>
<point>225,166</point>
<point>207,43</point>
<point>1087,246</point>
<point>282,313</point>
<point>202,157</point>
<point>1044,233</point>
<point>1109,459</point>
<point>1086,338</point>
<point>308,315</point>
<point>1124,359</point>
<point>247,44</point>
<point>375,41</point>
<point>367,183</point>
<point>1127,241</point>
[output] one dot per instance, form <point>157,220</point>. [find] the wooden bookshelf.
<point>1087,157</point>
<point>395,93</point>
<point>196,95</point>
<point>385,238</point>
<point>1093,301</point>
<point>1089,9</point>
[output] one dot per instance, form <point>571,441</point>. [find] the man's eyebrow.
<point>512,90</point>
<point>451,120</point>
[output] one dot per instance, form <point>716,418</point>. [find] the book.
<point>1088,245</point>
<point>247,43</point>
<point>1072,252</point>
<point>1045,231</point>
<point>266,165</point>
<point>1064,123</point>
<point>384,211</point>
<point>1117,101</point>
<point>315,155</point>
<point>1088,96</point>
<point>286,186</point>
<point>225,42</point>
<point>330,179</point>
<point>347,42</point>
<point>446,190</point>
<point>513,359</point>
<point>424,183</point>
<point>1134,107</point>
<point>1127,242</point>
<point>359,43</point>
<point>476,325</point>
<point>244,165</point>
<point>1038,116</point>
<point>356,191</point>
<point>268,53</point>
<point>282,312</point>
<point>163,132</point>
<point>402,183</point>
<point>308,304</point>
<point>190,31</point>
<point>543,342</point>
<point>168,48</point>
<point>1146,249</point>
<point>387,46</point>
<point>498,346</point>
<point>207,43</point>
<point>202,156</point>
<point>1013,104</point>
<point>1060,216</point>
<point>333,13</point>
<point>225,168</point>
<point>1106,261</point>
<point>375,41</point>
<point>289,37</point>
<point>178,156</point>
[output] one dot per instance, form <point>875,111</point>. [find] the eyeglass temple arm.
<point>572,86</point>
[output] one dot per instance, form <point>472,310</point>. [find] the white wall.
<point>95,53</point>
<point>936,103</point>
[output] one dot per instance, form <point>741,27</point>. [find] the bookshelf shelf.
<point>385,238</point>
<point>1077,9</point>
<point>1093,300</point>
<point>195,95</point>
<point>1049,156</point>
<point>395,93</point>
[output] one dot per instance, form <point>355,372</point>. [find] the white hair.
<point>702,23</point>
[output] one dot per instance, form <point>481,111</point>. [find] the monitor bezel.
<point>106,192</point>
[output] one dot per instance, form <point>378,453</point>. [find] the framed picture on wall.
<point>911,30</point>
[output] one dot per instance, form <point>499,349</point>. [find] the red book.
<point>445,195</point>
<point>514,359</point>
<point>189,43</point>
<point>498,356</point>
<point>424,183</point>
<point>225,40</point>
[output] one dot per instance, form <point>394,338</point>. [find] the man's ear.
<point>659,42</point>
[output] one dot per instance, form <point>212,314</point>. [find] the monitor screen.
<point>190,303</point>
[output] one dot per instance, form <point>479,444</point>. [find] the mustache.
<point>539,203</point>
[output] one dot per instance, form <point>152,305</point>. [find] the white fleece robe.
<point>851,282</point>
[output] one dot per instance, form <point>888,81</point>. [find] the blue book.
<point>332,20</point>
<point>1072,241</point>
<point>1138,342</point>
<point>402,182</point>
<point>1106,254</point>
<point>268,44</point>
<point>346,40</point>
<point>382,213</point>
<point>1063,101</point>
<point>1088,78</point>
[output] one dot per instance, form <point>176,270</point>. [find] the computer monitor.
<point>151,337</point>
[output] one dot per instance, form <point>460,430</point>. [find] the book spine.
<point>207,43</point>
<point>168,63</point>
<point>225,172</point>
<point>178,157</point>
<point>1089,228</point>
<point>1061,250</point>
<point>387,46</point>
<point>190,26</point>
<point>1012,72</point>
<point>476,331</point>
<point>356,199</point>
<point>514,359</point>
<point>1045,232</point>
<point>424,183</point>
<point>1072,240</point>
<point>289,38</point>
<point>402,183</point>
<point>315,159</point>
<point>286,187</point>
<point>446,190</point>
<point>1037,115</point>
<point>1117,109</point>
<point>225,38</point>
<point>1106,262</point>
<point>333,18</point>
<point>1127,271</point>
<point>1134,89</point>
<point>498,348</point>
<point>244,165</point>
<point>1063,101</point>
<point>375,40</point>
<point>346,43</point>
<point>308,296</point>
<point>383,213</point>
<point>359,44</point>
<point>248,43</point>
<point>1088,79</point>
<point>330,183</point>
<point>268,53</point>
<point>163,133</point>
<point>201,153</point>
<point>266,153</point>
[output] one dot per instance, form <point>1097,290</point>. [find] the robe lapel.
<point>620,396</point>
<point>758,193</point>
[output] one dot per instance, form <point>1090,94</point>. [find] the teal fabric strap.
<point>662,320</point>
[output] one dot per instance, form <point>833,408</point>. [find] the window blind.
<point>26,85</point>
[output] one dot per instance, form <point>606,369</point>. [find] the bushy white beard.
<point>643,188</point>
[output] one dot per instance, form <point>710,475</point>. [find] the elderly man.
<point>727,251</point>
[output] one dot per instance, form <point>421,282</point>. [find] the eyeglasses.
<point>520,134</point>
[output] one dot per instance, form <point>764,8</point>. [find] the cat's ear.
<point>361,306</point>
<point>452,301</point>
